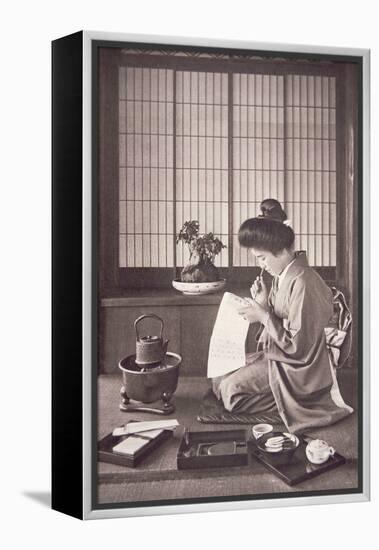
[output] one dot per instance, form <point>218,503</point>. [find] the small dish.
<point>281,446</point>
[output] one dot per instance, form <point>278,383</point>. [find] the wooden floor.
<point>157,478</point>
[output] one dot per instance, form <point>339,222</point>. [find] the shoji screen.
<point>211,146</point>
<point>284,147</point>
<point>258,149</point>
<point>146,156</point>
<point>310,191</point>
<point>202,155</point>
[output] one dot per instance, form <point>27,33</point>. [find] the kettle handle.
<point>152,315</point>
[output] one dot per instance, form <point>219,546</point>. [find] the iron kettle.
<point>150,350</point>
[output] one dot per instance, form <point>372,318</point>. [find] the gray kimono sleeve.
<point>295,340</point>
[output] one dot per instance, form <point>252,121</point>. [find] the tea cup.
<point>261,429</point>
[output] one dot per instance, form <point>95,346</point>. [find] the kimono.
<point>293,373</point>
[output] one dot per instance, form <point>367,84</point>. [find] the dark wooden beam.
<point>348,187</point>
<point>106,148</point>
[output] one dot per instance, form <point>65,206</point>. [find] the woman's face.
<point>271,263</point>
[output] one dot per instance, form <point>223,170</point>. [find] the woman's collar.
<point>299,262</point>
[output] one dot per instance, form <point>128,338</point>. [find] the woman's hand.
<point>254,313</point>
<point>259,292</point>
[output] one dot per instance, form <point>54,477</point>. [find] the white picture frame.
<point>84,373</point>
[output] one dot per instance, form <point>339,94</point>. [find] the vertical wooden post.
<point>175,269</point>
<point>107,103</point>
<point>348,182</point>
<point>230,171</point>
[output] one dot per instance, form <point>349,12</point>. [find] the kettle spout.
<point>164,347</point>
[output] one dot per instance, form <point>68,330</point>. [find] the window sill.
<point>166,297</point>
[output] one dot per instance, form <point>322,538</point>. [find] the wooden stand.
<point>137,406</point>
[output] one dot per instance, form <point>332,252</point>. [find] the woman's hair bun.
<point>267,231</point>
<point>272,209</point>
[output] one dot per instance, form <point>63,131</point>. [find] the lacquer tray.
<point>298,468</point>
<point>210,449</point>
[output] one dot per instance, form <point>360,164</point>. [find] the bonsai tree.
<point>203,250</point>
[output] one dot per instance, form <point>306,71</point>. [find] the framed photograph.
<point>210,275</point>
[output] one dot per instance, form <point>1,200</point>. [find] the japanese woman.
<point>292,373</point>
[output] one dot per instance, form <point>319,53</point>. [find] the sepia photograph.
<point>189,224</point>
<point>227,201</point>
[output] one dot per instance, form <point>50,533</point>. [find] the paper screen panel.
<point>284,147</point>
<point>175,134</point>
<point>146,165</point>
<point>202,156</point>
<point>258,149</point>
<point>310,160</point>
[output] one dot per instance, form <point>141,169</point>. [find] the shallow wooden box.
<point>105,451</point>
<point>193,449</point>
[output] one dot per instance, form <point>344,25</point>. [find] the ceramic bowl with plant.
<point>200,275</point>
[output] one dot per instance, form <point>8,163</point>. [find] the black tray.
<point>298,468</point>
<point>105,451</point>
<point>212,449</point>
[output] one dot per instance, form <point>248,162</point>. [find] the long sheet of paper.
<point>136,427</point>
<point>227,345</point>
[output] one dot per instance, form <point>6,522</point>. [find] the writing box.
<point>206,449</point>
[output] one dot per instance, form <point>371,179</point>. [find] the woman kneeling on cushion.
<point>292,373</point>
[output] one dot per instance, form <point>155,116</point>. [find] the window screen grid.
<point>258,149</point>
<point>146,167</point>
<point>202,156</point>
<point>283,146</point>
<point>311,165</point>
